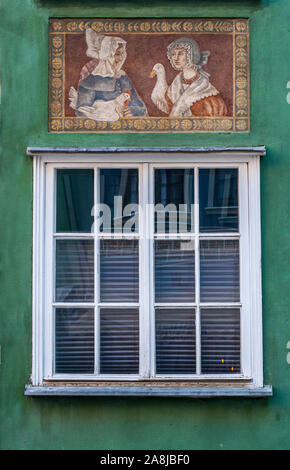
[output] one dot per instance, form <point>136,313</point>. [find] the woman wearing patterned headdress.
<point>105,92</point>
<point>190,93</point>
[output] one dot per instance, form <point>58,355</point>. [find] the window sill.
<point>149,391</point>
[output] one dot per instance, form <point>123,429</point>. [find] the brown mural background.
<point>143,52</point>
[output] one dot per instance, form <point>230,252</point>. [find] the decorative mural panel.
<point>148,75</point>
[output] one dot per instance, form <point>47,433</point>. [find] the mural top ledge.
<point>259,150</point>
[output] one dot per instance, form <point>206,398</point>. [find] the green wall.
<point>112,423</point>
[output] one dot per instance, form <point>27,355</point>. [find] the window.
<point>147,272</point>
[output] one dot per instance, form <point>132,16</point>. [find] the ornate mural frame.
<point>237,27</point>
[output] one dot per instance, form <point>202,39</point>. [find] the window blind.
<point>175,341</point>
<point>220,340</point>
<point>119,341</point>
<point>119,271</point>
<point>174,271</point>
<point>219,271</point>
<point>74,340</point>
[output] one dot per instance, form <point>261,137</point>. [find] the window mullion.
<point>244,273</point>
<point>97,274</point>
<point>197,272</point>
<point>144,272</point>
<point>151,285</point>
<point>49,336</point>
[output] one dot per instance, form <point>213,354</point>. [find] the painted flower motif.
<point>128,123</point>
<point>119,27</point>
<point>241,41</point>
<point>241,26</point>
<point>196,124</point>
<point>241,61</point>
<point>186,124</point>
<point>187,26</point>
<point>145,26</point>
<point>140,124</point>
<point>72,26</point>
<point>241,124</point>
<point>115,125</point>
<point>89,124</point>
<point>55,107</point>
<point>174,123</point>
<point>208,26</point>
<point>57,42</point>
<point>163,124</point>
<point>227,26</point>
<point>241,102</point>
<point>57,26</point>
<point>207,124</point>
<point>56,124</point>
<point>97,26</point>
<point>56,83</point>
<point>101,124</point>
<point>56,63</point>
<point>165,26</point>
<point>69,124</point>
<point>226,124</point>
<point>241,82</point>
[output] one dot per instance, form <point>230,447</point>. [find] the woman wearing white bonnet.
<point>103,83</point>
<point>190,93</point>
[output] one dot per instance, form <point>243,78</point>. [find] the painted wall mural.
<point>149,75</point>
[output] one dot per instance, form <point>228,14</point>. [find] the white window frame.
<point>248,161</point>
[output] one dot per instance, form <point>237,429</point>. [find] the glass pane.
<point>74,341</point>
<point>119,193</point>
<point>74,274</point>
<point>119,266</point>
<point>219,271</point>
<point>174,271</point>
<point>175,341</point>
<point>218,200</point>
<point>174,199</point>
<point>119,341</point>
<point>220,341</point>
<point>75,200</point>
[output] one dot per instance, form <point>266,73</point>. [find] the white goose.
<point>107,110</point>
<point>158,93</point>
<point>73,97</point>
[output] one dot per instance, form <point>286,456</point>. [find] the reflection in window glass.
<point>74,272</point>
<point>174,188</point>
<point>219,271</point>
<point>174,271</point>
<point>218,200</point>
<point>119,192</point>
<point>75,200</point>
<point>119,270</point>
